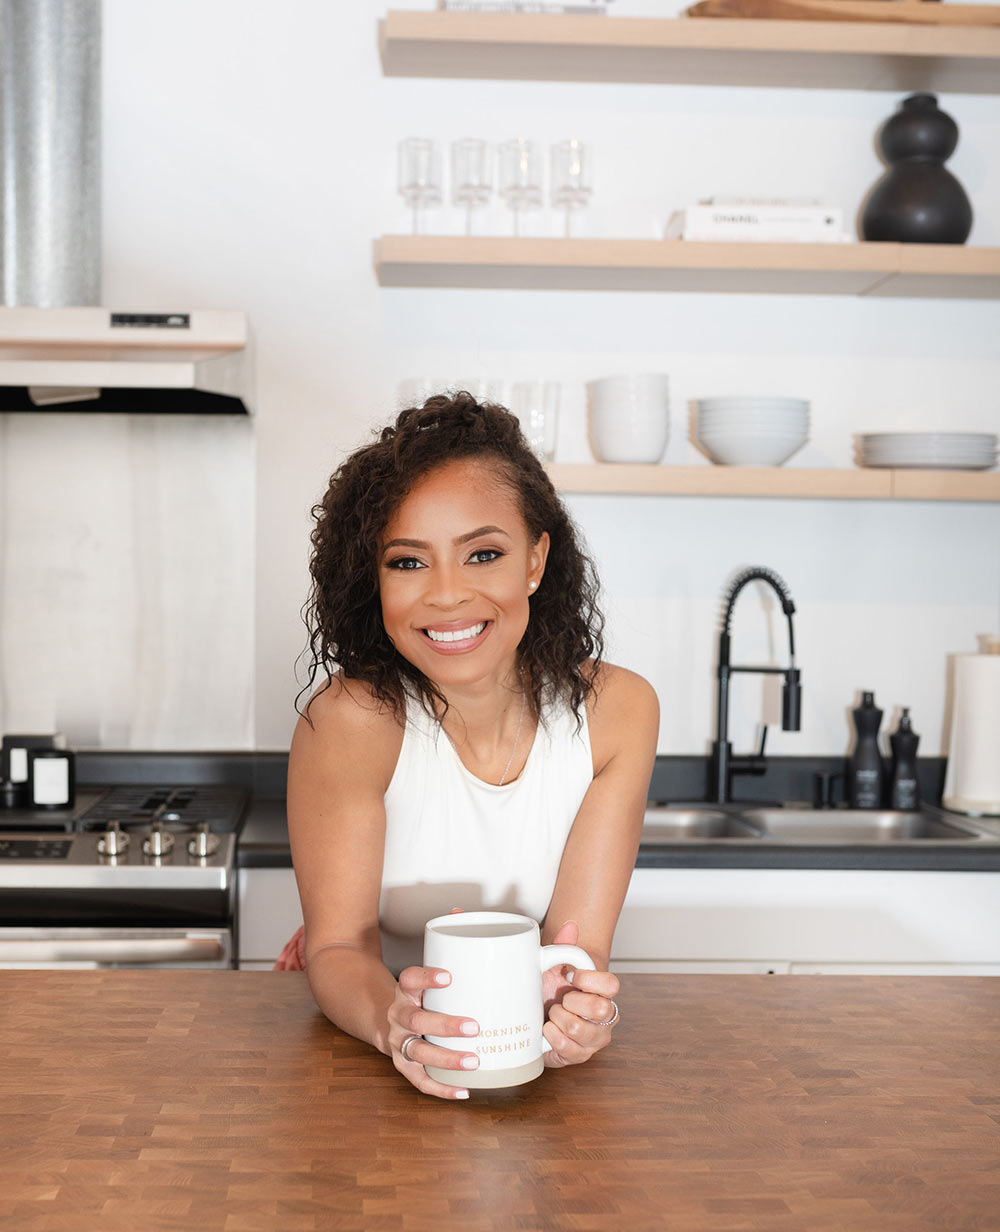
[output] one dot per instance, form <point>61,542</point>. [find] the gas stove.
<point>127,837</point>
<point>130,858</point>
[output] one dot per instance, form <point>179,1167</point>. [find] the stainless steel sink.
<point>854,826</point>
<point>669,825</point>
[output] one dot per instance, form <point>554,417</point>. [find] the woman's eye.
<point>404,562</point>
<point>484,555</point>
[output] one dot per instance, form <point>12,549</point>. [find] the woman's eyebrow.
<point>459,539</point>
<point>482,530</point>
<point>404,543</point>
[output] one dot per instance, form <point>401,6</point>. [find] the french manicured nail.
<point>442,977</point>
<point>570,972</point>
<point>461,1094</point>
<point>470,1028</point>
<point>470,1063</point>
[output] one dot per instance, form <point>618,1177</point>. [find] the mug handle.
<point>552,955</point>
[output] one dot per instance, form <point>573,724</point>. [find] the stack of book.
<point>756,219</point>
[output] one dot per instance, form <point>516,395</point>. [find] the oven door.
<point>93,948</point>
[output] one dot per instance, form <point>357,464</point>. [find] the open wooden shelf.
<point>774,481</point>
<point>945,271</point>
<point>692,51</point>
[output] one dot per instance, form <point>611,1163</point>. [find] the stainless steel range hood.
<point>54,353</point>
<point>95,359</point>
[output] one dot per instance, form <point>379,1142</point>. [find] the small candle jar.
<point>51,779</point>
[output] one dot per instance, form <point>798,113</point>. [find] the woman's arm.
<point>600,853</point>
<point>338,772</point>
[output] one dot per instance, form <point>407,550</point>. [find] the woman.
<point>468,748</point>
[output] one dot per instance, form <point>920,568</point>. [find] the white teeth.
<point>456,635</point>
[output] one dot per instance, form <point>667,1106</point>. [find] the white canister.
<point>972,780</point>
<point>629,417</point>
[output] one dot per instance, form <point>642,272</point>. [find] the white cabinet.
<point>809,920</point>
<point>269,912</point>
<point>744,921</point>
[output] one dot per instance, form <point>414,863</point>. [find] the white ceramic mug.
<point>629,417</point>
<point>496,961</point>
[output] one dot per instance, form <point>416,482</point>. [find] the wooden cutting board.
<point>914,12</point>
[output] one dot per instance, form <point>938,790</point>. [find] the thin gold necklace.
<point>517,737</point>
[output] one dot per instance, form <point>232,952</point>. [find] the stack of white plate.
<point>752,431</point>
<point>945,451</point>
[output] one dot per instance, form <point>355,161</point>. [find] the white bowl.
<point>739,401</point>
<point>629,417</point>
<point>649,388</point>
<point>745,449</point>
<point>707,434</point>
<point>752,418</point>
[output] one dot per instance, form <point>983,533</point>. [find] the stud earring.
<point>532,585</point>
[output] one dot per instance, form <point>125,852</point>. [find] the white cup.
<point>496,961</point>
<point>629,417</point>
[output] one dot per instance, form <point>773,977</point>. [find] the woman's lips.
<point>456,639</point>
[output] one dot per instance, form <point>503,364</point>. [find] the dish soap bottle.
<point>864,766</point>
<point>905,791</point>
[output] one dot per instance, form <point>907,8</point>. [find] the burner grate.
<point>176,808</point>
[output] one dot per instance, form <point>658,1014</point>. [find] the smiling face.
<point>456,570</point>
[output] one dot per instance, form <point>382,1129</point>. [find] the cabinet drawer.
<point>814,919</point>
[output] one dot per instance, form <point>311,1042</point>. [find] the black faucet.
<point>724,764</point>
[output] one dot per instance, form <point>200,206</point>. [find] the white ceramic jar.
<point>629,417</point>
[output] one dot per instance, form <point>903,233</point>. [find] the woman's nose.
<point>445,587</point>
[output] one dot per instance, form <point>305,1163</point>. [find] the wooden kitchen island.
<point>224,1101</point>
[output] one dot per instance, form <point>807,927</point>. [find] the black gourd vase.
<point>917,200</point>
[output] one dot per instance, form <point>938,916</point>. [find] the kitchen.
<point>153,567</point>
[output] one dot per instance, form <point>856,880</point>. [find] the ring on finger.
<point>606,1022</point>
<point>406,1044</point>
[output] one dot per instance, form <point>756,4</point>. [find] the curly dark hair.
<point>343,613</point>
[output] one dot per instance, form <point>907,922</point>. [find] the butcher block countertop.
<point>224,1101</point>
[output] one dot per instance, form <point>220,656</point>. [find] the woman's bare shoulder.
<point>622,709</point>
<point>346,721</point>
<point>617,688</point>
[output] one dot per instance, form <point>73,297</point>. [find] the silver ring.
<point>608,1022</point>
<point>405,1044</point>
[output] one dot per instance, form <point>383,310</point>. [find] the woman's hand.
<point>408,1018</point>
<point>572,996</point>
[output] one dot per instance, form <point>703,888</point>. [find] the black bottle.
<point>864,766</point>
<point>905,790</point>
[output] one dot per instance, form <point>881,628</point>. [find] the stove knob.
<point>113,842</point>
<point>203,843</point>
<point>159,842</point>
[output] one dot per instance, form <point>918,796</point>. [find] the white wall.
<point>249,162</point>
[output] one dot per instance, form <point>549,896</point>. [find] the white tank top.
<point>452,840</point>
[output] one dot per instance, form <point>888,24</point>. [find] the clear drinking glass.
<point>419,175</point>
<point>520,177</point>
<point>483,389</point>
<point>415,390</point>
<point>471,175</point>
<point>570,180</point>
<point>536,405</point>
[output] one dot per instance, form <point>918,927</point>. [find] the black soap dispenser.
<point>904,792</point>
<point>864,766</point>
